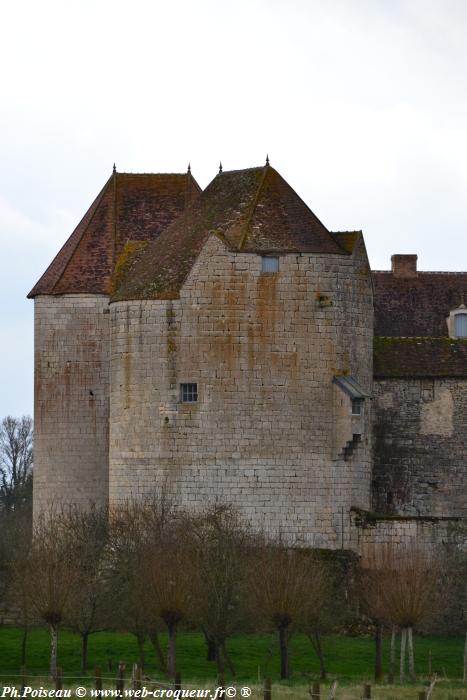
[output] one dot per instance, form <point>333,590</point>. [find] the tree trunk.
<point>160,658</point>
<point>284,650</point>
<point>220,661</point>
<point>172,650</point>
<point>229,660</point>
<point>413,675</point>
<point>211,645</point>
<point>392,657</point>
<point>402,659</point>
<point>315,640</point>
<point>53,650</point>
<point>24,642</point>
<point>84,652</point>
<point>379,652</point>
<point>140,639</point>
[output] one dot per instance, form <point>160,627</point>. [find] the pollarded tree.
<point>169,569</point>
<point>408,590</point>
<point>281,584</point>
<point>86,612</point>
<point>136,529</point>
<point>221,548</point>
<point>369,585</point>
<point>325,607</point>
<point>15,548</point>
<point>51,574</point>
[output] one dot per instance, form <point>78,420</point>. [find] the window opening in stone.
<point>269,264</point>
<point>461,325</point>
<point>188,393</point>
<point>357,407</point>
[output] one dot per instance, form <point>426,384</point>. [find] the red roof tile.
<point>252,210</point>
<point>129,207</point>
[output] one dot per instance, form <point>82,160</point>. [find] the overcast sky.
<point>361,105</point>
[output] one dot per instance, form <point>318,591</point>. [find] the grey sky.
<point>362,106</point>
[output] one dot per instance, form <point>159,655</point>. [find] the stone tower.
<point>216,344</point>
<point>72,334</point>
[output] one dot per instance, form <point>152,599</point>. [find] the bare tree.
<point>85,613</point>
<point>51,574</point>
<point>370,583</point>
<point>221,548</point>
<point>169,565</point>
<point>282,579</point>
<point>405,590</point>
<point>15,547</point>
<point>325,606</point>
<point>16,458</point>
<point>135,529</point>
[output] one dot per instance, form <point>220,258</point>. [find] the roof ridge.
<point>152,174</point>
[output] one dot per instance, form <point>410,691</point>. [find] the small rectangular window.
<point>269,264</point>
<point>188,393</point>
<point>357,407</point>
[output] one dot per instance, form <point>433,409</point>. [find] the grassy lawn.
<point>349,659</point>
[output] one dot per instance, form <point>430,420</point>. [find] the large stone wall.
<point>263,349</point>
<point>420,447</point>
<point>71,400</point>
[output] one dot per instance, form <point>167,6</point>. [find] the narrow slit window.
<point>269,263</point>
<point>357,407</point>
<point>461,325</point>
<point>188,393</point>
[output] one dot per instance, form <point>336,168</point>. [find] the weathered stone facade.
<point>420,452</point>
<point>263,353</point>
<point>71,399</point>
<point>273,430</point>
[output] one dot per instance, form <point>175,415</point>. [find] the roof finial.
<point>267,159</point>
<point>189,168</point>
<point>220,166</point>
<point>114,169</point>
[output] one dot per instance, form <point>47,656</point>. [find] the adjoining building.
<point>225,346</point>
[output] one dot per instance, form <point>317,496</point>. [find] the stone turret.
<point>71,463</point>
<point>227,333</point>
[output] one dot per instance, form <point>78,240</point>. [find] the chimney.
<point>404,265</point>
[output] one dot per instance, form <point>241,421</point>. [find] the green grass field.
<point>350,659</point>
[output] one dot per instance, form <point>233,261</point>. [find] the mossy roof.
<point>419,357</point>
<point>418,305</point>
<point>129,207</point>
<point>253,210</point>
<point>347,239</point>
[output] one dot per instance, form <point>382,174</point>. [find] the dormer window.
<point>457,322</point>
<point>460,325</point>
<point>354,391</point>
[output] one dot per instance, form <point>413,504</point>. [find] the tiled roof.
<point>347,239</point>
<point>419,357</point>
<point>418,305</point>
<point>129,207</point>
<point>252,210</point>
